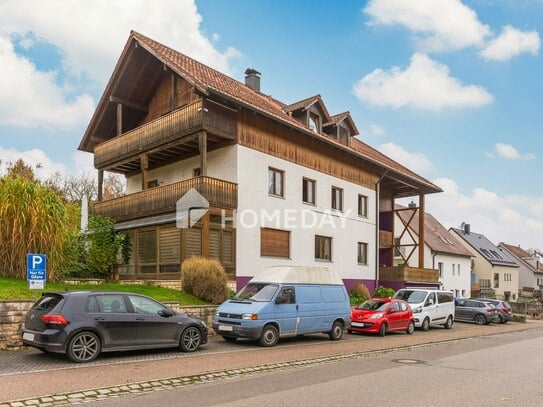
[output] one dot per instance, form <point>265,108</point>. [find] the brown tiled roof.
<point>210,81</point>
<point>436,236</point>
<point>522,255</point>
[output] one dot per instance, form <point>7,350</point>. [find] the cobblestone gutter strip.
<point>81,397</point>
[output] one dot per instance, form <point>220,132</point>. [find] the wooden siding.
<point>163,199</point>
<point>267,136</point>
<point>411,274</point>
<point>165,130</point>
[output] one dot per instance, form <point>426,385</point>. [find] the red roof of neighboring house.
<point>436,236</point>
<point>522,255</point>
<point>210,81</point>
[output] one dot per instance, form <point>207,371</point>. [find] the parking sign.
<point>36,271</point>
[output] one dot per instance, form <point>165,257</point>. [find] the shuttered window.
<point>193,242</point>
<point>169,249</point>
<point>274,242</point>
<point>227,247</point>
<point>214,244</point>
<point>147,251</point>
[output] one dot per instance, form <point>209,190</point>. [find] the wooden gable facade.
<point>161,107</point>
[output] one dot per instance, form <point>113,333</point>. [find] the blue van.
<point>286,301</point>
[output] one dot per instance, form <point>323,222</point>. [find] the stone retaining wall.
<point>12,315</point>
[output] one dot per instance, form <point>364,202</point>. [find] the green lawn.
<point>15,289</point>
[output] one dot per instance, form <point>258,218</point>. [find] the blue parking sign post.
<point>36,271</point>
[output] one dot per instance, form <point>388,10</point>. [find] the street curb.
<point>111,392</point>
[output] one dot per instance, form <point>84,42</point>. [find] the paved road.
<point>491,371</point>
<point>30,374</point>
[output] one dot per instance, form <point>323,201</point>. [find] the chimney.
<point>252,79</point>
<point>466,228</point>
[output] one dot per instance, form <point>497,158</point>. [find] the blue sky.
<point>451,89</point>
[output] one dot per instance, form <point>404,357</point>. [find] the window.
<point>362,253</point>
<point>308,191</point>
<point>144,305</point>
<point>196,172</point>
<point>343,135</point>
<point>337,198</point>
<point>169,249</point>
<point>147,253</point>
<point>395,307</point>
<point>111,303</point>
<point>274,243</point>
<point>286,296</point>
<point>440,268</point>
<point>496,280</point>
<point>152,184</point>
<point>314,122</point>
<point>363,206</point>
<point>463,293</point>
<point>458,269</point>
<point>275,182</point>
<point>453,269</point>
<point>323,248</point>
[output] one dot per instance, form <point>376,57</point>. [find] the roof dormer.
<point>341,127</point>
<point>311,111</point>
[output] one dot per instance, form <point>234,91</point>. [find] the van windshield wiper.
<point>244,301</point>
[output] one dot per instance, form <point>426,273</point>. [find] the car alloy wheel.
<point>479,319</point>
<point>84,347</point>
<point>191,338</point>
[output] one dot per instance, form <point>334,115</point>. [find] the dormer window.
<point>314,122</point>
<point>343,134</point>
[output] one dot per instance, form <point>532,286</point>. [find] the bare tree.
<point>114,186</point>
<point>74,187</point>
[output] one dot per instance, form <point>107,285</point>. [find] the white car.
<point>430,307</point>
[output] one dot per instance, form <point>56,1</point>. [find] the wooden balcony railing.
<point>413,274</point>
<point>162,200</point>
<point>200,115</point>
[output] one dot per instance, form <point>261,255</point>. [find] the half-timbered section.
<point>286,183</point>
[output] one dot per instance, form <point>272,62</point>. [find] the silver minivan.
<point>430,307</point>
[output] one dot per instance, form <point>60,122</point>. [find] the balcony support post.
<point>119,119</point>
<point>421,230</point>
<point>100,185</point>
<point>144,164</point>
<point>203,153</point>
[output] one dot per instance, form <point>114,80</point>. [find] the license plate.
<point>358,324</point>
<point>28,336</point>
<point>226,328</point>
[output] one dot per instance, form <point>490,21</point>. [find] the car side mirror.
<point>166,313</point>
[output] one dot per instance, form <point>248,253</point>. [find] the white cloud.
<point>510,43</point>
<point>425,84</point>
<point>376,130</point>
<point>440,25</point>
<point>509,152</point>
<point>42,165</point>
<point>31,98</point>
<point>90,34</point>
<point>417,162</point>
<point>514,219</point>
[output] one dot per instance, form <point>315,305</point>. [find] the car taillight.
<point>54,319</point>
<point>505,310</point>
<point>490,309</point>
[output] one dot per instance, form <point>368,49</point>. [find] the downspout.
<point>377,199</point>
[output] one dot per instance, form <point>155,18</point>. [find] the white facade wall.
<point>253,199</point>
<point>458,283</point>
<point>221,164</point>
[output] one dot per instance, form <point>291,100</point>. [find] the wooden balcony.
<point>168,136</point>
<point>411,274</point>
<point>163,199</point>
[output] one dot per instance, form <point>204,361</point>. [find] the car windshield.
<point>412,297</point>
<point>372,305</point>
<point>257,292</point>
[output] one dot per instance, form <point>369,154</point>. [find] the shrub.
<point>358,294</point>
<point>205,279</point>
<point>383,292</point>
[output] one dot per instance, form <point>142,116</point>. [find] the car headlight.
<point>377,315</point>
<point>417,310</point>
<point>217,313</point>
<point>252,317</point>
<point>203,324</point>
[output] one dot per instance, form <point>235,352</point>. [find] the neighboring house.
<point>492,268</point>
<point>285,184</point>
<point>443,251</point>
<point>530,267</point>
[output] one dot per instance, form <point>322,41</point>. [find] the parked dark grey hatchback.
<point>83,324</point>
<point>469,310</point>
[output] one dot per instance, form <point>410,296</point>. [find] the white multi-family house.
<point>443,251</point>
<point>277,183</point>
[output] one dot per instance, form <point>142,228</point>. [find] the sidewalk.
<point>241,355</point>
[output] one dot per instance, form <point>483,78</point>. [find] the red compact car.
<point>382,315</point>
